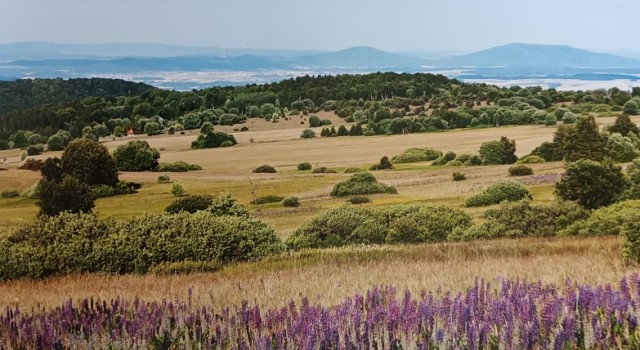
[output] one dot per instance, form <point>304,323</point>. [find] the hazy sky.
<point>456,25</point>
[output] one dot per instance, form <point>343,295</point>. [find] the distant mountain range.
<point>146,62</point>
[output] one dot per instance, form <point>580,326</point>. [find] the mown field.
<point>330,274</point>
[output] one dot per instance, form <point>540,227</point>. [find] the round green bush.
<point>359,200</point>
<point>606,221</point>
<point>291,202</point>
<point>136,156</point>
<point>458,176</point>
<point>361,184</point>
<point>323,170</point>
<point>413,155</point>
<point>9,194</point>
<point>454,163</point>
<point>353,170</point>
<point>499,192</point>
<point>304,166</point>
<point>265,169</point>
<point>190,204</point>
<point>520,170</point>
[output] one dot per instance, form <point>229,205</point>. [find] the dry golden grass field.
<point>330,274</point>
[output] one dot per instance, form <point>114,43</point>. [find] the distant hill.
<point>530,55</point>
<point>361,57</point>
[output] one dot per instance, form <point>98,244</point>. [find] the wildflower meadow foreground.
<point>515,315</point>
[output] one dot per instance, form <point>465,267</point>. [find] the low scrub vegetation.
<point>190,204</point>
<point>520,170</point>
<point>270,198</point>
<point>323,170</point>
<point>177,167</point>
<point>414,223</point>
<point>9,194</point>
<point>291,202</point>
<point>136,156</point>
<point>304,166</point>
<point>268,169</point>
<point>458,176</point>
<point>414,155</point>
<point>359,200</point>
<point>80,243</point>
<point>499,192</point>
<point>606,221</point>
<point>361,184</point>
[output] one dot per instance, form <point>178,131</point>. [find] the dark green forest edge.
<point>32,111</point>
<point>594,196</point>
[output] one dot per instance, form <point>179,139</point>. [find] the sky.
<point>398,25</point>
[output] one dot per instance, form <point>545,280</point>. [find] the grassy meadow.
<point>330,274</point>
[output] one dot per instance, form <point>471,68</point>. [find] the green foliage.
<point>9,194</point>
<point>631,234</point>
<point>530,159</point>
<point>136,156</point>
<point>314,121</point>
<point>291,202</point>
<point>605,221</point>
<point>455,163</point>
<point>523,219</point>
<point>584,141</point>
<point>82,243</point>
<point>630,108</point>
<point>359,200</point>
<point>623,126</point>
<point>177,167</point>
<point>186,267</point>
<point>152,128</point>
<point>498,152</point>
<point>307,134</point>
<point>621,149</point>
<point>212,140</point>
<point>498,193</point>
<point>270,198</point>
<point>385,163</point>
<point>304,166</point>
<point>89,162</point>
<point>34,150</point>
<point>520,170</point>
<point>226,205</point>
<point>177,190</point>
<point>413,223</point>
<point>591,184</point>
<point>550,120</point>
<point>353,170</point>
<point>457,176</point>
<point>413,155</point>
<point>190,204</point>
<point>569,118</point>
<point>32,191</point>
<point>323,170</point>
<point>31,164</point>
<point>164,179</point>
<point>361,184</point>
<point>67,195</point>
<point>265,169</point>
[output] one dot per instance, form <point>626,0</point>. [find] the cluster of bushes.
<point>268,169</point>
<point>209,138</point>
<point>522,219</point>
<point>499,192</point>
<point>31,164</point>
<point>83,243</point>
<point>354,130</point>
<point>361,184</point>
<point>384,163</point>
<point>413,223</point>
<point>190,204</point>
<point>271,198</point>
<point>450,158</point>
<point>520,170</point>
<point>304,166</point>
<point>414,155</point>
<point>323,170</point>
<point>177,167</point>
<point>136,156</point>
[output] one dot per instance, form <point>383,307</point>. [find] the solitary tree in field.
<point>89,162</point>
<point>591,184</point>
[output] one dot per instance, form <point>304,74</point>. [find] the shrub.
<point>454,163</point>
<point>136,156</point>
<point>413,155</point>
<point>568,118</point>
<point>31,192</point>
<point>444,159</point>
<point>177,190</point>
<point>9,194</point>
<point>359,200</point>
<point>101,191</point>
<point>270,198</point>
<point>523,219</point>
<point>164,179</point>
<point>227,144</point>
<point>314,121</point>
<point>186,267</point>
<point>497,193</point>
<point>226,205</point>
<point>212,140</point>
<point>58,141</point>
<point>605,221</point>
<point>68,194</point>
<point>631,234</point>
<point>530,159</point>
<point>323,170</point>
<point>384,164</point>
<point>89,162</point>
<point>473,160</point>
<point>291,202</point>
<point>83,243</point>
<point>591,184</point>
<point>307,134</point>
<point>621,149</point>
<point>361,184</point>
<point>265,169</point>
<point>391,224</point>
<point>31,164</point>
<point>520,170</point>
<point>498,152</point>
<point>304,166</point>
<point>353,170</point>
<point>190,204</point>
<point>177,167</point>
<point>459,176</point>
<point>34,150</point>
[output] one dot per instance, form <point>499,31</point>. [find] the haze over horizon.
<point>407,25</point>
